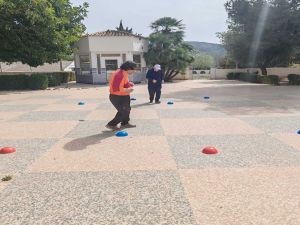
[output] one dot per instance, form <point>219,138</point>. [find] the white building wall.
<point>111,45</point>
<point>83,45</point>
<point>140,45</point>
<point>129,56</point>
<point>116,44</point>
<point>93,57</point>
<point>95,45</point>
<point>143,61</point>
<point>76,60</point>
<point>81,48</point>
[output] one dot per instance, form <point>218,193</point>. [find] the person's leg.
<point>125,110</point>
<point>125,113</point>
<point>151,93</point>
<point>115,100</point>
<point>158,94</point>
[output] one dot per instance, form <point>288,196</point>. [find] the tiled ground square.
<point>207,126</point>
<point>53,129</point>
<point>144,198</point>
<point>105,152</point>
<point>234,151</point>
<point>268,196</point>
<point>27,150</point>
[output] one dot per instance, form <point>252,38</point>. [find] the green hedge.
<point>231,76</point>
<point>35,81</point>
<point>273,79</point>
<point>255,78</point>
<point>58,78</point>
<point>294,79</point>
<point>38,82</point>
<point>13,82</point>
<point>260,79</point>
<point>270,79</point>
<point>248,77</point>
<point>72,76</point>
<point>54,79</point>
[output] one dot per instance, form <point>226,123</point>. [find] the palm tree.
<point>167,25</point>
<point>167,48</point>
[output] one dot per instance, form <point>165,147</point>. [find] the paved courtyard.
<point>69,169</point>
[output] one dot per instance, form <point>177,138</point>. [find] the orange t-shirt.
<point>119,81</point>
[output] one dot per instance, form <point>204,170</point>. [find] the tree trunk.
<point>60,64</point>
<point>167,74</point>
<point>174,75</point>
<point>171,75</point>
<point>264,70</point>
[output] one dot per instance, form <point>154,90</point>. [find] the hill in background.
<point>215,50</point>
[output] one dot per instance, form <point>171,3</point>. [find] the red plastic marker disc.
<point>210,150</point>
<point>7,150</point>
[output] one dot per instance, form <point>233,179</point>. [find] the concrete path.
<point>69,169</point>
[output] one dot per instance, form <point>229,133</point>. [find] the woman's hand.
<point>128,90</point>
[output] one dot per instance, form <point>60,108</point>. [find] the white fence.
<point>219,74</point>
<point>283,72</point>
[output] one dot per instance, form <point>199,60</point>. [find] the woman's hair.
<point>128,65</point>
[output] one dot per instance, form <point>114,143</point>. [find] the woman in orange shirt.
<point>120,89</point>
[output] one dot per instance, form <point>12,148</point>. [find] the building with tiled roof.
<point>100,53</point>
<point>114,33</point>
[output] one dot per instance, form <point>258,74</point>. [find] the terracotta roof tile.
<point>113,33</point>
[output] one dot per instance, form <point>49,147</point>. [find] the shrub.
<point>273,79</point>
<point>294,79</point>
<point>35,81</point>
<point>231,76</point>
<point>270,79</point>
<point>248,77</point>
<point>61,77</point>
<point>58,78</point>
<point>238,76</point>
<point>54,79</point>
<point>194,72</point>
<point>266,80</point>
<point>202,72</point>
<point>72,76</point>
<point>13,82</point>
<point>260,79</point>
<point>68,76</point>
<point>38,81</point>
<point>65,77</point>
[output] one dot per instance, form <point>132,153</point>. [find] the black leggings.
<point>122,104</point>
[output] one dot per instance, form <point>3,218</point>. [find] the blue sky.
<point>203,18</point>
